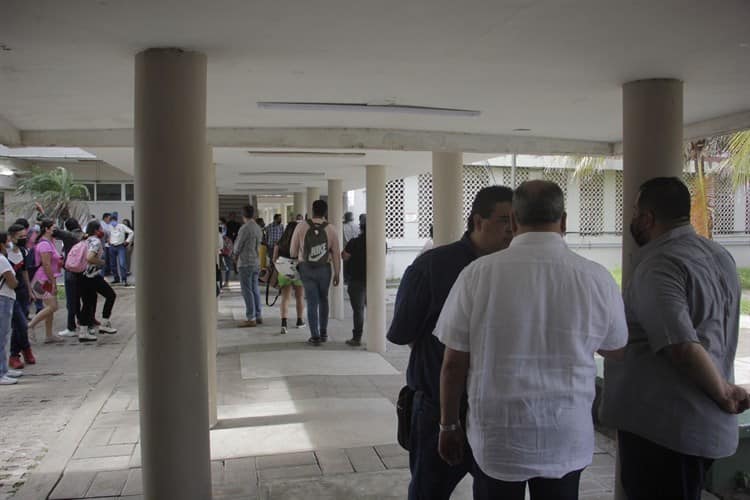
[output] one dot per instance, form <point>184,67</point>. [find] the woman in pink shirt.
<point>44,282</point>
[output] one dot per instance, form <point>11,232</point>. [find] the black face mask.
<point>22,242</point>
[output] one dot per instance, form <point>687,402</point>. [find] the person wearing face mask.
<point>19,340</point>
<point>70,237</point>
<point>44,281</point>
<point>672,396</point>
<point>90,283</point>
<point>8,283</point>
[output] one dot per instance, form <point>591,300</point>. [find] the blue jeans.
<point>19,338</point>
<point>118,259</point>
<point>250,291</point>
<point>431,477</point>
<point>316,280</point>
<point>6,315</point>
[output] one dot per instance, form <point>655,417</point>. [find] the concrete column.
<point>447,197</point>
<point>299,204</point>
<point>210,227</point>
<point>313,194</point>
<point>254,202</point>
<point>335,216</point>
<point>170,155</point>
<point>375,319</point>
<point>651,144</point>
<point>651,147</point>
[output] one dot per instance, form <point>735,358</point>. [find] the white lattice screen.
<point>723,205</point>
<point>475,178</point>
<point>747,209</point>
<point>425,205</point>
<point>592,204</point>
<point>619,186</point>
<point>560,177</point>
<point>522,175</point>
<point>394,209</point>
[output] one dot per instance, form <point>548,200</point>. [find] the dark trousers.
<point>357,291</point>
<point>72,299</point>
<point>652,471</point>
<point>89,288</point>
<point>19,337</point>
<point>431,477</point>
<point>540,488</point>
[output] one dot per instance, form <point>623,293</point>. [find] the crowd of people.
<point>305,256</point>
<point>503,327</point>
<point>34,260</point>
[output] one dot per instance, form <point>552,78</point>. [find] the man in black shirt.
<point>420,298</point>
<point>355,258</point>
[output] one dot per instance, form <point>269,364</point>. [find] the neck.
<point>542,228</point>
<point>476,242</point>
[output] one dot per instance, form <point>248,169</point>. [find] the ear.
<point>477,220</point>
<point>564,223</point>
<point>513,223</point>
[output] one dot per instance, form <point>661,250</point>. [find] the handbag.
<point>403,413</point>
<point>41,289</point>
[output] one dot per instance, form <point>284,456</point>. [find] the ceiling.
<point>552,66</point>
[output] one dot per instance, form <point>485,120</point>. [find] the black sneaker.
<point>324,337</point>
<point>315,341</point>
<point>300,323</point>
<point>353,342</point>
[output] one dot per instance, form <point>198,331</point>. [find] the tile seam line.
<point>47,475</point>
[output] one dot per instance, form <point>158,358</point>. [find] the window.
<point>129,192</point>
<point>90,188</point>
<point>109,192</point>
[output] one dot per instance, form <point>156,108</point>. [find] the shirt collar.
<point>653,246</point>
<point>538,238</point>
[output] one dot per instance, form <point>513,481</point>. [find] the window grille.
<point>394,209</point>
<point>560,177</point>
<point>475,178</point>
<point>619,187</point>
<point>723,205</point>
<point>425,205</point>
<point>747,209</point>
<point>592,204</point>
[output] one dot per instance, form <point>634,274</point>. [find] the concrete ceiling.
<point>553,66</point>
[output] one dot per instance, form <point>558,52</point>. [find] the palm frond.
<point>585,166</point>
<point>738,162</point>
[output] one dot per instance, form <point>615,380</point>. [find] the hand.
<point>451,446</point>
<point>336,280</point>
<point>736,399</point>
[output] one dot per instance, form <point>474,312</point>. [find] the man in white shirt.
<point>521,327</point>
<point>120,237</point>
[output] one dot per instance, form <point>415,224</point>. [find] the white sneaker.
<point>6,380</point>
<point>68,333</point>
<point>106,327</point>
<point>88,336</point>
<point>283,330</point>
<point>14,373</point>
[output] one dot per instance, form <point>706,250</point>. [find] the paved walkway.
<point>294,421</point>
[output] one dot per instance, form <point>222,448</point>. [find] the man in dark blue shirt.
<point>421,295</point>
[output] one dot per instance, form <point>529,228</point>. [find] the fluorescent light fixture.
<point>377,108</point>
<point>282,174</point>
<point>306,154</point>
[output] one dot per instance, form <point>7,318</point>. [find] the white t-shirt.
<point>532,317</point>
<point>5,266</point>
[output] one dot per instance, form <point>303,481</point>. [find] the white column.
<point>375,318</point>
<point>210,226</point>
<point>313,194</point>
<point>651,147</point>
<point>411,209</point>
<point>651,144</point>
<point>299,204</point>
<point>335,216</point>
<point>447,197</point>
<point>170,144</point>
<point>254,202</point>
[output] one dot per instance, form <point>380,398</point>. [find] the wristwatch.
<point>449,427</point>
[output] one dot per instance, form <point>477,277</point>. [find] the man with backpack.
<point>316,243</point>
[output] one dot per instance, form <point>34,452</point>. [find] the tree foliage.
<point>57,193</point>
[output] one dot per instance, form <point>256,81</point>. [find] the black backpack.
<point>315,247</point>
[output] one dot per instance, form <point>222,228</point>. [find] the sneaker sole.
<point>110,332</point>
<point>86,340</point>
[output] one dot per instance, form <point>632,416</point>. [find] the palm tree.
<point>56,192</point>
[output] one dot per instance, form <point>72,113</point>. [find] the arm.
<point>239,243</point>
<point>275,253</point>
<point>10,279</point>
<point>130,234</point>
<point>695,364</point>
<point>411,308</point>
<point>296,237</point>
<point>25,278</point>
<point>336,256</point>
<point>92,258</point>
<point>452,387</point>
<point>47,265</point>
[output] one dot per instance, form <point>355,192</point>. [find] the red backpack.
<point>77,259</point>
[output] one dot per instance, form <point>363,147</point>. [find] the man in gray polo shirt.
<point>672,397</point>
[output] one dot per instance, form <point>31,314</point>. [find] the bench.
<point>721,478</point>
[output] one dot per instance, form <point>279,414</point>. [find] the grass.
<point>744,280</point>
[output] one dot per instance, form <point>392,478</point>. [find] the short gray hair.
<point>538,202</point>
